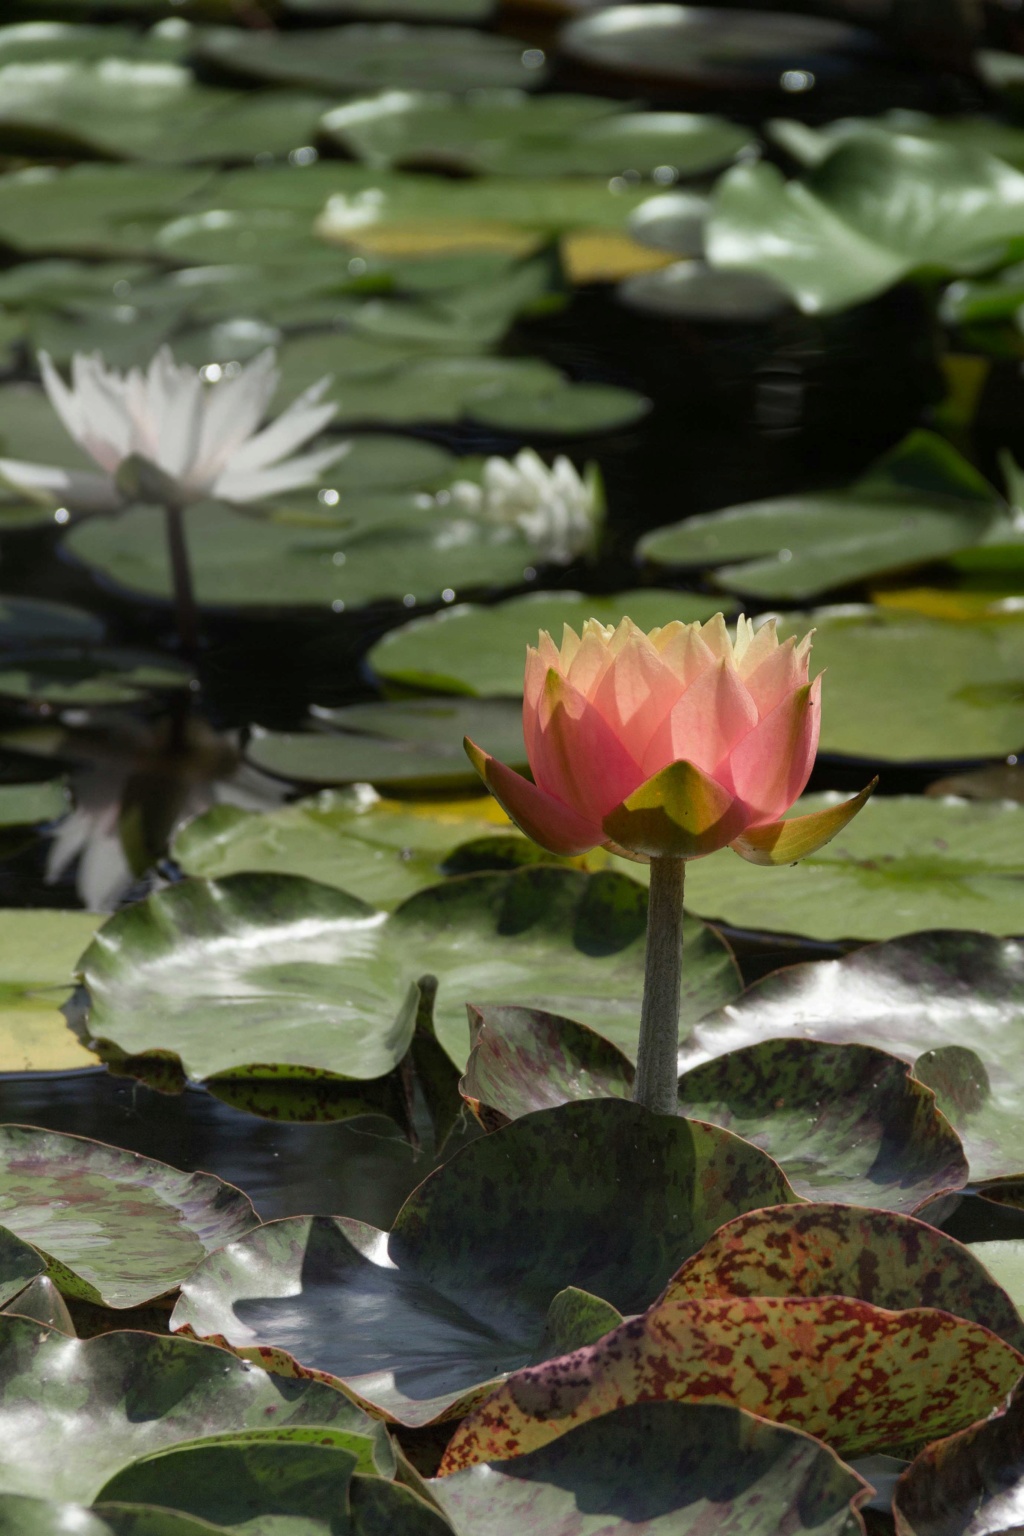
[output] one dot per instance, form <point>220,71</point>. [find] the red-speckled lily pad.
<point>971,1484</point>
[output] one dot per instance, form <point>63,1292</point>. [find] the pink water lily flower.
<point>674,743</point>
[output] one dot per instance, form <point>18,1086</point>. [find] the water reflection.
<point>361,1168</point>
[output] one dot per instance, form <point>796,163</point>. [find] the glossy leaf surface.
<point>455,1305</point>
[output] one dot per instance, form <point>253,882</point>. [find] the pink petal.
<point>716,637</point>
<point>713,714</point>
<point>777,677</point>
<point>636,693</point>
<point>771,765</point>
<point>762,645</point>
<point>577,757</point>
<point>591,660</point>
<point>546,820</point>
<point>682,650</point>
<point>540,660</point>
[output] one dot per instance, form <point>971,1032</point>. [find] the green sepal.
<point>784,842</point>
<point>680,813</point>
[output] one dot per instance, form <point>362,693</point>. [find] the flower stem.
<point>657,1073</point>
<point>181,575</point>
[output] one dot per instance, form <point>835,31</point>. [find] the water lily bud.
<point>674,743</point>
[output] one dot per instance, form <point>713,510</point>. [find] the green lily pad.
<point>25,805</point>
<point>46,1517</point>
<point>664,1469</point>
<point>29,621</point>
<point>408,745</point>
<point>481,650</point>
<point>43,1302</point>
<point>671,221</point>
<point>274,975</point>
<point>115,1228</point>
<point>456,1305</point>
<point>509,133</point>
<point>467,12</point>
<point>874,211</point>
<point>920,503</point>
<point>85,676</point>
<point>573,410</point>
<point>241,561</point>
<point>89,1407</point>
<point>972,1482</point>
<point>387,849</point>
<point>385,461</point>
<point>904,863</point>
<point>30,43</point>
<point>844,1122</point>
<point>31,429</point>
<point>38,951</point>
<point>364,57</point>
<point>20,1264</point>
<point>144,110</point>
<point>951,1002</point>
<point>446,389</point>
<point>91,210</point>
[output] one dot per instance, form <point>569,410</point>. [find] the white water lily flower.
<point>203,436</point>
<point>558,510</point>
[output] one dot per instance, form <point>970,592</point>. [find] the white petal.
<point>76,489</point>
<point>254,484</point>
<point>234,409</point>
<point>303,419</point>
<point>61,398</point>
<point>106,432</point>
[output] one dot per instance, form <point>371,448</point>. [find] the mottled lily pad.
<point>603,1196</point>
<point>903,1376</point>
<point>844,1122</point>
<point>920,503</point>
<point>409,745</point>
<point>275,975</point>
<point>661,1469</point>
<point>953,1002</point>
<point>114,1228</point>
<point>387,849</point>
<point>891,1260</point>
<point>481,650</point>
<point>969,1485</point>
<point>73,1412</point>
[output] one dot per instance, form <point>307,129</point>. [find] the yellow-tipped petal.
<point>681,812</point>
<point>784,842</point>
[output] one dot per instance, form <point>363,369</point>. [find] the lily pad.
<point>145,110</point>
<point>115,1228</point>
<point>952,1002</point>
<point>364,57</point>
<point>85,1408</point>
<point>20,1264</point>
<point>844,1122</point>
<point>693,291</point>
<point>457,1306</point>
<point>47,1517</point>
<point>38,951</point>
<point>409,744</point>
<point>274,975</point>
<point>240,561</point>
<point>25,805</point>
<point>573,410</point>
<point>481,650</point>
<point>505,132</point>
<point>903,1376</point>
<point>661,1469</point>
<point>467,12</point>
<point>387,849</point>
<point>29,621</point>
<point>91,210</point>
<point>874,211</point>
<point>971,1483</point>
<point>82,677</point>
<point>890,1260</point>
<point>920,503</point>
